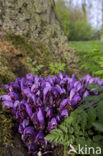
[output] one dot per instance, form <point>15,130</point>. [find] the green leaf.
<point>97,138</point>
<point>29,60</point>
<point>98,126</point>
<point>91,116</point>
<point>100,111</point>
<point>34,63</point>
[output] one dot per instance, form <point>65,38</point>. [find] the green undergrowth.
<point>84,126</point>
<point>82,47</point>
<point>90,56</point>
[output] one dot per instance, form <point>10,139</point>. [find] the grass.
<point>83,47</point>
<point>90,57</point>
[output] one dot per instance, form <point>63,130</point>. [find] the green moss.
<point>35,50</point>
<point>7,77</point>
<point>32,49</point>
<point>20,43</point>
<point>6,125</point>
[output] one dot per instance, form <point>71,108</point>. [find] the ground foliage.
<point>91,57</point>
<point>84,126</point>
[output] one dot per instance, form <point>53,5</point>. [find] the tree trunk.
<point>37,20</point>
<point>84,9</point>
<point>101,37</point>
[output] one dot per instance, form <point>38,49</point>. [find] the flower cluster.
<point>40,104</point>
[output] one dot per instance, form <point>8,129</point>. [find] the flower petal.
<point>40,116</point>
<point>8,104</point>
<point>64,113</point>
<point>53,124</point>
<point>64,103</point>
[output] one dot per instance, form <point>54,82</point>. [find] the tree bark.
<point>84,9</point>
<point>37,20</point>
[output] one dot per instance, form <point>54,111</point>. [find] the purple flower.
<point>40,139</point>
<point>50,80</point>
<point>87,79</point>
<point>36,79</point>
<point>58,118</point>
<point>26,92</point>
<point>5,97</point>
<point>35,120</point>
<point>61,76</point>
<point>28,135</point>
<point>53,124</point>
<point>72,93</point>
<point>22,106</point>
<point>20,115</point>
<point>49,113</point>
<point>60,90</point>
<point>16,104</point>
<point>9,87</point>
<point>8,104</point>
<point>25,123</point>
<point>40,104</point>
<point>51,100</point>
<point>35,87</point>
<point>64,113</point>
<point>35,153</point>
<point>73,77</point>
<point>100,82</point>
<point>64,103</point>
<point>22,83</point>
<point>20,129</point>
<point>31,99</point>
<point>55,93</point>
<point>78,85</point>
<point>86,93</point>
<point>45,92</point>
<point>40,117</point>
<point>28,110</point>
<point>29,130</point>
<point>75,101</point>
<point>38,93</point>
<point>13,96</point>
<point>30,77</point>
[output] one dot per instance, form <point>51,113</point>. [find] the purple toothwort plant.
<point>40,104</point>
